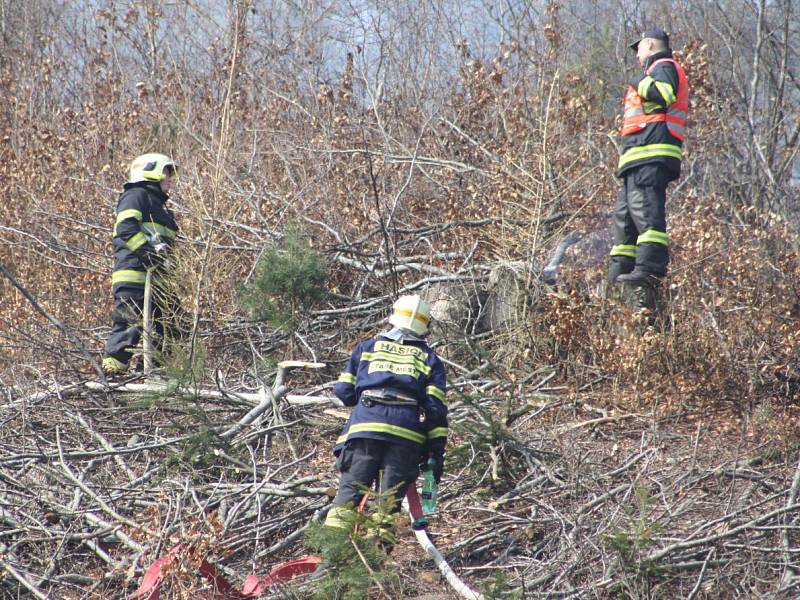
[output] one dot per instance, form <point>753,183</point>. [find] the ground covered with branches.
<point>561,498</point>
<point>336,156</point>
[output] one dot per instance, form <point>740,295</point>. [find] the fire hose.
<point>412,505</point>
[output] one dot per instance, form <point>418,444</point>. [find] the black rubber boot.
<point>640,277</point>
<point>644,297</point>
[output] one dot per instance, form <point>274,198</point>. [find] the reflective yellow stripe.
<point>623,250</point>
<point>347,378</point>
<point>339,516</point>
<point>128,276</point>
<point>137,241</point>
<point>405,312</point>
<point>666,92</point>
<point>397,358</point>
<point>394,359</point>
<point>649,151</point>
<point>386,428</point>
<point>112,364</point>
<point>643,86</point>
<point>653,236</point>
<point>651,107</point>
<point>153,228</point>
<point>400,349</point>
<point>131,213</point>
<point>436,392</point>
<point>437,432</point>
<point>341,439</point>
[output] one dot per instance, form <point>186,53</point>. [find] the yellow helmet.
<point>412,313</point>
<point>150,167</point>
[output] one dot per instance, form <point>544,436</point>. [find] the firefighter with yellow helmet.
<point>397,386</point>
<point>144,229</point>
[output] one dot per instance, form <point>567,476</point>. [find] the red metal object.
<point>414,504</point>
<point>254,586</point>
<point>150,588</point>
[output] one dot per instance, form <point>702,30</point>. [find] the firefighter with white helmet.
<point>144,229</point>
<point>397,385</point>
<point>151,167</point>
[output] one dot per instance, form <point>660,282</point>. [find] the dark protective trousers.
<point>640,224</point>
<point>362,459</point>
<point>128,317</point>
<point>126,325</point>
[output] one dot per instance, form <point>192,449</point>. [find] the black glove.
<point>434,450</point>
<point>438,468</point>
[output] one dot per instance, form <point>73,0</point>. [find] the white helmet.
<point>412,313</point>
<point>150,167</point>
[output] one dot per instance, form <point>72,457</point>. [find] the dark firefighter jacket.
<point>141,214</point>
<point>654,143</point>
<point>412,369</point>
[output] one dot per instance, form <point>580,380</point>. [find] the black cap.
<point>655,33</point>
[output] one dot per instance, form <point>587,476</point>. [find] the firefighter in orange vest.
<point>653,131</point>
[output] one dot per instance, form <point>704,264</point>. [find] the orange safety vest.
<point>635,118</point>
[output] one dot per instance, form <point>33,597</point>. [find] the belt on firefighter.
<point>387,396</point>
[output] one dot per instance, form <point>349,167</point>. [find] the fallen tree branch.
<point>106,508</point>
<point>593,422</point>
<point>719,536</point>
<point>24,581</point>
